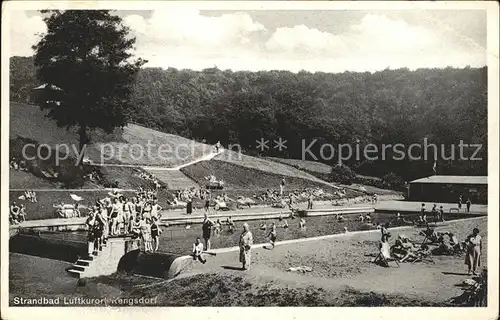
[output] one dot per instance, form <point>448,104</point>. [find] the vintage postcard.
<point>312,159</point>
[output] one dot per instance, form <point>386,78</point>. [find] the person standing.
<point>460,201</point>
<point>207,231</point>
<point>434,213</point>
<point>468,204</point>
<point>474,245</point>
<point>310,200</point>
<point>155,210</point>
<point>90,233</point>
<point>208,196</point>
<point>272,235</point>
<point>114,217</point>
<point>217,146</point>
<point>155,234</point>
<point>441,213</point>
<point>246,242</point>
<point>282,186</point>
<point>189,205</point>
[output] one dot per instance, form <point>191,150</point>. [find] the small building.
<point>448,189</point>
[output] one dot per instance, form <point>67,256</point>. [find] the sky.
<point>326,41</point>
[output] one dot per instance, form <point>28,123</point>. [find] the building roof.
<point>453,180</point>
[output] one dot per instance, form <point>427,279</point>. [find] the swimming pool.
<point>179,240</point>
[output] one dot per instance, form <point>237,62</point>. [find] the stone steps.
<point>174,179</point>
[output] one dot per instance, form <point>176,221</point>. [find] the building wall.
<point>449,193</point>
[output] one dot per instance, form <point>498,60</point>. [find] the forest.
<point>443,106</point>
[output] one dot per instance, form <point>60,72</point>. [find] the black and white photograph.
<point>250,154</point>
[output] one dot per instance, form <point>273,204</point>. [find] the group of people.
<point>149,177</point>
<point>18,165</point>
<point>29,195</point>
<point>245,242</point>
<point>460,202</point>
<point>118,215</point>
<point>17,213</point>
<point>446,243</point>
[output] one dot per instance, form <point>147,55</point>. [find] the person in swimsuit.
<point>474,245</point>
<point>155,233</point>
<point>207,231</point>
<point>207,201</point>
<point>272,235</point>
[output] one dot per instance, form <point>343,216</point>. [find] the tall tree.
<point>85,62</point>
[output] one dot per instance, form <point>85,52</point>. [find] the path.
<point>342,262</point>
<point>202,158</point>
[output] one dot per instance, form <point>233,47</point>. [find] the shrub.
<point>342,174</point>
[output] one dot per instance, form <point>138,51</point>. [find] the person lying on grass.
<point>414,253</point>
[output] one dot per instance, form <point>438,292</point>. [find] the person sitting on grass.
<point>302,223</point>
<point>22,213</point>
<point>263,226</point>
<point>368,217</point>
<point>14,213</point>
<point>198,250</point>
<point>340,218</point>
<point>430,234</point>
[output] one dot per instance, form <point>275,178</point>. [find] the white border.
<point>277,313</point>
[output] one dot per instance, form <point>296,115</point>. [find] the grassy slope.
<point>238,177</point>
<point>265,165</point>
<point>306,165</point>
<point>28,121</point>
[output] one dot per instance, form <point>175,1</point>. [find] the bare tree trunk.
<point>83,140</point>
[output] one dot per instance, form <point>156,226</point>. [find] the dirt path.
<point>341,263</point>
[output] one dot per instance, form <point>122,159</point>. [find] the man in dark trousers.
<point>468,204</point>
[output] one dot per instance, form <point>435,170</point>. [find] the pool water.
<point>179,240</point>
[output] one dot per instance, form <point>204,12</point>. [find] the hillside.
<point>311,166</point>
<point>124,146</point>
<point>28,124</point>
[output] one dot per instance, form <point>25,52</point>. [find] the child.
<point>302,223</point>
<point>272,235</point>
<point>197,251</point>
<point>285,224</point>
